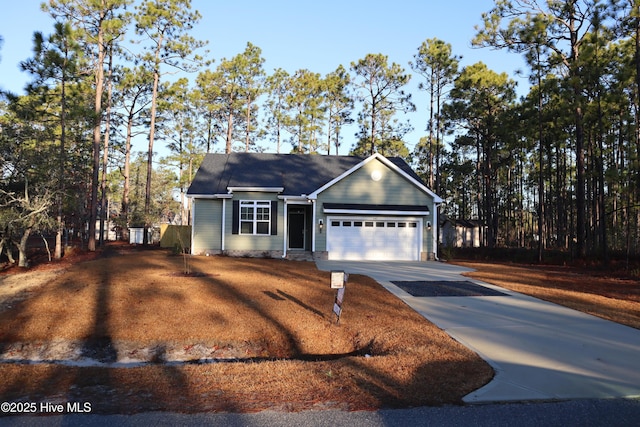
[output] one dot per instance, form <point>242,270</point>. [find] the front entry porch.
<point>300,256</point>
<point>299,225</point>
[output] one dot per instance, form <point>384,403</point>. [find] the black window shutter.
<point>235,217</point>
<point>274,217</point>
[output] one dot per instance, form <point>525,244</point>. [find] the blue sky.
<point>300,34</point>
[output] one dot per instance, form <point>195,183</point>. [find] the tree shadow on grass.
<point>171,387</point>
<point>300,303</point>
<point>107,390</point>
<point>98,345</point>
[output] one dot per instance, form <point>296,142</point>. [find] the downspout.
<point>224,217</point>
<point>193,224</point>
<point>313,226</point>
<point>284,232</point>
<point>421,237</point>
<point>436,206</point>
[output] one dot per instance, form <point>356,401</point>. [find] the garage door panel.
<point>373,239</point>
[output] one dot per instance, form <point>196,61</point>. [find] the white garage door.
<point>389,239</point>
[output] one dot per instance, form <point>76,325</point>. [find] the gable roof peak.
<point>295,174</point>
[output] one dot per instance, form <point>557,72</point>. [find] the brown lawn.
<point>607,293</point>
<point>271,319</point>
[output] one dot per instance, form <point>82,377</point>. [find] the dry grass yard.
<point>128,332</point>
<point>606,293</point>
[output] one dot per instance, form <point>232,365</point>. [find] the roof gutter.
<point>256,189</point>
<point>209,196</point>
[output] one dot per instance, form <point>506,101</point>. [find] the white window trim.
<point>254,205</point>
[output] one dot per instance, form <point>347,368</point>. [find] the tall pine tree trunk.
<point>57,252</point>
<point>97,120</point>
<point>229,148</point>
<point>248,118</point>
<point>126,175</point>
<point>104,215</point>
<point>541,165</point>
<point>152,133</point>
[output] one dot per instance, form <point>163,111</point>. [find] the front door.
<point>296,229</point>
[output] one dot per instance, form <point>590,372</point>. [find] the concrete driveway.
<point>539,350</point>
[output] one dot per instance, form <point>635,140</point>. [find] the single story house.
<point>330,207</point>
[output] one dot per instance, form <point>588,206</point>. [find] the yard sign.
<point>338,281</point>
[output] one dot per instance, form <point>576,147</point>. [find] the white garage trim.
<point>372,212</point>
<point>397,238</point>
<point>375,210</point>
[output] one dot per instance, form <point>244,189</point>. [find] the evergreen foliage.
<point>557,169</point>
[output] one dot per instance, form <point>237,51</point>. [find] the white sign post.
<point>338,281</point>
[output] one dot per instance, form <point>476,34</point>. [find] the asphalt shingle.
<point>298,174</point>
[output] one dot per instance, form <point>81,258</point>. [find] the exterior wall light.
<point>320,225</point>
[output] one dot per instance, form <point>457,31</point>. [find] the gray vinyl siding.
<point>242,242</point>
<point>359,187</point>
<point>207,223</point>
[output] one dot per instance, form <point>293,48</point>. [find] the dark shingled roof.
<point>298,174</point>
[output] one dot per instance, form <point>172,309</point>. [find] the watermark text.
<point>45,408</point>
